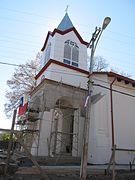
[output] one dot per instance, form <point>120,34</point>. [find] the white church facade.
<point>60,95</point>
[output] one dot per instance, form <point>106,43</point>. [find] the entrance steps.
<point>60,160</point>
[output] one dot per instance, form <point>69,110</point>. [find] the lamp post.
<point>93,44</point>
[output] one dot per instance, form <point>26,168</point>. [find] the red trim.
<point>63,33</point>
<point>47,37</point>
<point>61,64</point>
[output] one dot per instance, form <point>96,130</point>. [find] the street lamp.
<point>92,44</point>
<point>95,38</point>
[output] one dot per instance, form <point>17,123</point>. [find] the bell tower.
<point>66,48</point>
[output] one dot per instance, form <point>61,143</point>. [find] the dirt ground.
<point>33,174</point>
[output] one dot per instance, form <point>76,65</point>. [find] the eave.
<point>63,33</point>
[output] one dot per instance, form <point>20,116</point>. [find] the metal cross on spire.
<point>66,10</point>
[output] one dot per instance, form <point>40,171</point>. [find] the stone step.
<point>59,160</point>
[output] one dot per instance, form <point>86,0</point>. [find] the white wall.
<point>124,123</point>
<point>100,124</point>
<point>52,41</point>
<point>59,48</point>
<point>45,133</point>
<point>68,76</point>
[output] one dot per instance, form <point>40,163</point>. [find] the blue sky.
<point>24,25</point>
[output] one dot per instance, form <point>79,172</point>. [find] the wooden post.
<point>10,141</point>
<point>112,160</point>
<point>113,172</point>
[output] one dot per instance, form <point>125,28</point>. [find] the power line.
<point>62,72</point>
<point>99,85</point>
<point>28,13</point>
<point>121,92</point>
<point>109,84</point>
<point>21,21</point>
<point>52,18</point>
<point>16,39</point>
<point>32,42</point>
<point>9,64</point>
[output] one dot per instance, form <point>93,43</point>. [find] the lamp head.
<point>106,22</point>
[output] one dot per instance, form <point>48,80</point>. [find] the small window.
<point>47,53</point>
<point>66,61</point>
<point>74,64</point>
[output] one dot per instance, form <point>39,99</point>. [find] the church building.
<point>58,109</point>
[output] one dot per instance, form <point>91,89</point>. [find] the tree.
<point>22,82</point>
<point>99,65</point>
<point>5,137</point>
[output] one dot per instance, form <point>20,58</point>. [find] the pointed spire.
<point>65,23</point>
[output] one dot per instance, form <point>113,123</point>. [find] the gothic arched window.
<point>47,53</point>
<point>71,53</point>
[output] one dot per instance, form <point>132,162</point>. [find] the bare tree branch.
<point>21,82</point>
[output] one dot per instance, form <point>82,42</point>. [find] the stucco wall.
<point>62,74</point>
<point>49,93</point>
<point>124,122</point>
<point>59,48</point>
<point>100,124</point>
<point>45,133</point>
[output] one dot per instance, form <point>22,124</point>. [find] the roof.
<point>63,28</point>
<point>63,33</point>
<point>65,23</point>
<point>118,77</point>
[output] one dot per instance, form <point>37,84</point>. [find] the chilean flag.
<point>22,107</point>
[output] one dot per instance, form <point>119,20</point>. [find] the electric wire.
<point>58,48</point>
<point>9,64</point>
<point>52,18</point>
<point>113,85</point>
<point>114,90</point>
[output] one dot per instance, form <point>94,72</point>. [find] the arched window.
<point>71,53</point>
<point>47,53</point>
<point>67,51</point>
<point>75,53</point>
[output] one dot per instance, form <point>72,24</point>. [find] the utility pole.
<point>93,44</point>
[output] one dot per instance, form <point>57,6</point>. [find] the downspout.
<point>112,115</point>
